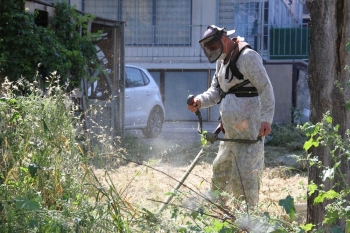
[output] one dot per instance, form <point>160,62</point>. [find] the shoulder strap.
<point>234,69</point>
<point>236,53</point>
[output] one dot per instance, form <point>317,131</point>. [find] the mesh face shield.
<point>212,47</point>
<point>211,42</point>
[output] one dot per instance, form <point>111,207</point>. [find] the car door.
<point>137,98</point>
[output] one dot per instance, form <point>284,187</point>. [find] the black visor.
<point>211,42</point>
<point>212,47</point>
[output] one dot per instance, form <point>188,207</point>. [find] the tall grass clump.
<point>288,135</point>
<point>46,184</point>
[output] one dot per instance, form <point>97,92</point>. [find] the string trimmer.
<point>210,137</point>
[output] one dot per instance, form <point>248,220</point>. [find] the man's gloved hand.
<point>196,104</point>
<point>265,129</point>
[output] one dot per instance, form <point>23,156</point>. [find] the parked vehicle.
<point>144,108</point>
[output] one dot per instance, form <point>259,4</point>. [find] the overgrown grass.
<point>289,136</point>
<point>206,216</point>
<point>48,182</point>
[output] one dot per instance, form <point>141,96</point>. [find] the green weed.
<point>46,183</point>
<point>289,136</point>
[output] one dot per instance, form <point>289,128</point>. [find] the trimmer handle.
<point>190,99</point>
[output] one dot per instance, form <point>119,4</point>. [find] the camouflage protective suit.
<point>237,167</point>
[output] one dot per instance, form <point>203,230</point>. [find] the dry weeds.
<point>167,162</point>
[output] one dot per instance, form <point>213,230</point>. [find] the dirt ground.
<point>158,167</point>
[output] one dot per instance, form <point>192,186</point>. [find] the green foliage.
<point>191,212</point>
<point>347,67</point>
<point>347,47</point>
<point>335,197</point>
<point>288,205</point>
<point>326,134</point>
<point>46,185</point>
<point>203,140</point>
<point>38,158</point>
<point>28,50</point>
<point>289,136</point>
<point>307,227</point>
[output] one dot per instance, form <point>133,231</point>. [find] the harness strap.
<point>239,90</point>
<point>233,59</point>
<point>241,140</point>
<point>212,137</point>
<point>244,92</point>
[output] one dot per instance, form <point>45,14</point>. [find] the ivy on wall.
<point>31,51</point>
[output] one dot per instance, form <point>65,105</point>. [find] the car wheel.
<point>154,124</point>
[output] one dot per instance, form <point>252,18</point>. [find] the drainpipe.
<point>201,20</point>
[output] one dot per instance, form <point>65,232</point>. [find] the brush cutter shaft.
<point>190,100</point>
<point>190,168</point>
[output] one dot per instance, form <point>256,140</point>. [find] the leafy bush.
<point>46,185</point>
<point>31,51</point>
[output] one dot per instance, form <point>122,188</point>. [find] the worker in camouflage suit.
<point>242,87</point>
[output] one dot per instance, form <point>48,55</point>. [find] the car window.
<point>134,77</point>
<point>145,78</point>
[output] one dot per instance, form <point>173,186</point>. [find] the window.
<point>148,22</point>
<point>157,22</point>
<point>246,17</point>
<point>135,78</point>
<point>42,18</point>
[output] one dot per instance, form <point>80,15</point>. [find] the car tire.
<point>154,123</point>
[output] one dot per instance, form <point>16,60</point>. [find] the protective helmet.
<point>211,42</point>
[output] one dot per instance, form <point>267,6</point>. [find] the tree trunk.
<point>329,33</point>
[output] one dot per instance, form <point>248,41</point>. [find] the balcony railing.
<point>178,43</point>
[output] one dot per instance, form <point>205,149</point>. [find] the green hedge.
<point>289,43</point>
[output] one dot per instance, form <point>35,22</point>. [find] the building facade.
<point>163,35</point>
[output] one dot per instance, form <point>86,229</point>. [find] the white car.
<point>144,108</point>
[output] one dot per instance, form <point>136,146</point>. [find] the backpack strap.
<point>239,90</point>
<point>234,57</point>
